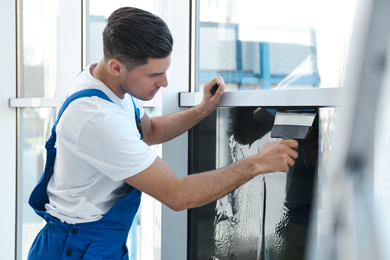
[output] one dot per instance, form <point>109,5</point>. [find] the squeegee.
<point>293,124</point>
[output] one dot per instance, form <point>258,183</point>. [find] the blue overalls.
<point>102,239</point>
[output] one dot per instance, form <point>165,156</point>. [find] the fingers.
<point>211,101</point>
<point>220,81</point>
<point>290,157</point>
<point>221,86</point>
<point>292,152</point>
<point>279,156</point>
<point>293,144</point>
<point>291,161</point>
<point>216,86</point>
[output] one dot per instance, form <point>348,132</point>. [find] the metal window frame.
<point>33,102</point>
<point>316,97</point>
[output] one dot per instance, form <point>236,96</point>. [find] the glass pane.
<point>35,126</point>
<point>38,72</point>
<point>268,217</point>
<point>273,44</point>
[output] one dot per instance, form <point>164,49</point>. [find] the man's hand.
<point>164,128</point>
<point>210,101</point>
<point>277,156</point>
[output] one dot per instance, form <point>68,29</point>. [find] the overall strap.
<point>136,109</point>
<point>138,119</point>
<point>38,197</point>
<point>82,93</point>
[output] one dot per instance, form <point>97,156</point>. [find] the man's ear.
<point>116,67</point>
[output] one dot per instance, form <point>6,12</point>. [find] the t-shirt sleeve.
<point>111,143</point>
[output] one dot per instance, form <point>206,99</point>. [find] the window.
<point>267,217</point>
<point>272,44</point>
<point>294,47</point>
<point>37,78</point>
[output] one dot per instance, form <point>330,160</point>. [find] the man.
<point>91,191</point>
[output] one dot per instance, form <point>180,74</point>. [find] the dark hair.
<point>133,36</point>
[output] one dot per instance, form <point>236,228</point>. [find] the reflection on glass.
<point>273,44</point>
<point>38,70</point>
<point>35,127</point>
<point>266,218</point>
<point>258,64</point>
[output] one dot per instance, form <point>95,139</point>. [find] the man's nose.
<point>163,81</point>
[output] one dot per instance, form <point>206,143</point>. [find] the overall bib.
<point>102,239</point>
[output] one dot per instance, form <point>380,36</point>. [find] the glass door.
<point>35,103</point>
<point>274,56</point>
<point>31,94</point>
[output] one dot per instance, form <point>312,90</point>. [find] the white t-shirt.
<point>98,145</point>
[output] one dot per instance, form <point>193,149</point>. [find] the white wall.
<point>7,129</point>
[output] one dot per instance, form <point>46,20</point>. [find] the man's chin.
<point>148,98</point>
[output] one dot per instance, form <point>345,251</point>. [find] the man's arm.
<point>196,190</point>
<point>164,128</point>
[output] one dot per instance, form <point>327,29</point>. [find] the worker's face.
<point>144,81</point>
